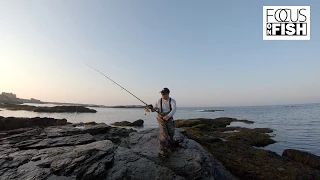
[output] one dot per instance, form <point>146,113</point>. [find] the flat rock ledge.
<point>99,151</point>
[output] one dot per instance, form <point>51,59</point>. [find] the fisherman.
<point>166,106</point>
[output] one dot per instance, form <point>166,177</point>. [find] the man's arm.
<point>174,109</point>
<point>155,107</point>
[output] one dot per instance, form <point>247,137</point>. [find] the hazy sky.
<point>208,53</point>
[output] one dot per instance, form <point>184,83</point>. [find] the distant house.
<point>9,95</point>
<point>4,99</point>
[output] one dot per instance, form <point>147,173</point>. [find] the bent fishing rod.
<point>121,87</point>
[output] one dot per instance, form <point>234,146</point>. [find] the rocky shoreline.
<point>207,149</point>
<point>236,148</point>
<point>98,151</point>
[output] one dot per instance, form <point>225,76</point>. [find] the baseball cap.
<point>165,91</point>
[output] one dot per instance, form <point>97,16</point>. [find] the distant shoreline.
<point>91,105</point>
<point>94,105</point>
<point>11,98</point>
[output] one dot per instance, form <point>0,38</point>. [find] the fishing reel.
<point>146,110</point>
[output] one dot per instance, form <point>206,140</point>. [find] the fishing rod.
<point>118,84</point>
<point>122,88</point>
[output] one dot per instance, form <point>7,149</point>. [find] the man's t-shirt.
<point>166,106</point>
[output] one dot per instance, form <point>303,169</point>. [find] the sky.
<point>208,53</point>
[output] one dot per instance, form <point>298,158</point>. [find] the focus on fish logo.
<point>286,22</point>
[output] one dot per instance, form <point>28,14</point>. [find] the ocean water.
<point>295,126</point>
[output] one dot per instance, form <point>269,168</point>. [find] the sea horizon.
<point>213,106</point>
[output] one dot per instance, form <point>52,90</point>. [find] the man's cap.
<point>165,91</point>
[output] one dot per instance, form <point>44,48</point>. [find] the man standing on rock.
<point>166,106</point>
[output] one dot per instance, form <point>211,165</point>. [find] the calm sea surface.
<point>296,126</point>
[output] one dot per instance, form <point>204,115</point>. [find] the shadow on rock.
<point>137,123</point>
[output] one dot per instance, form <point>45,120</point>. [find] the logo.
<point>286,22</point>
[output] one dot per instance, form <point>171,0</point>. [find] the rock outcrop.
<point>55,109</point>
<point>127,123</point>
<point>10,123</point>
<point>303,157</point>
<point>218,122</point>
<point>236,148</point>
<point>99,151</point>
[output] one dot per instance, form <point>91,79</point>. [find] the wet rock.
<point>126,123</point>
<point>99,132</point>
<point>19,131</point>
<point>3,135</point>
<point>245,121</point>
<point>137,123</point>
<point>54,177</point>
<point>252,137</point>
<point>90,123</point>
<point>6,149</point>
<point>189,161</point>
<point>84,124</point>
<point>26,135</point>
<point>81,128</point>
<point>17,158</point>
<point>303,157</point>
<point>96,129</point>
<point>187,123</point>
<point>68,152</point>
<point>57,142</point>
<point>11,123</point>
<point>32,172</point>
<point>86,161</point>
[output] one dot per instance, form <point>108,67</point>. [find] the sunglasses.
<point>163,94</point>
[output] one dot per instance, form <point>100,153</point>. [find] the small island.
<point>11,98</point>
<point>209,110</point>
<point>55,109</point>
